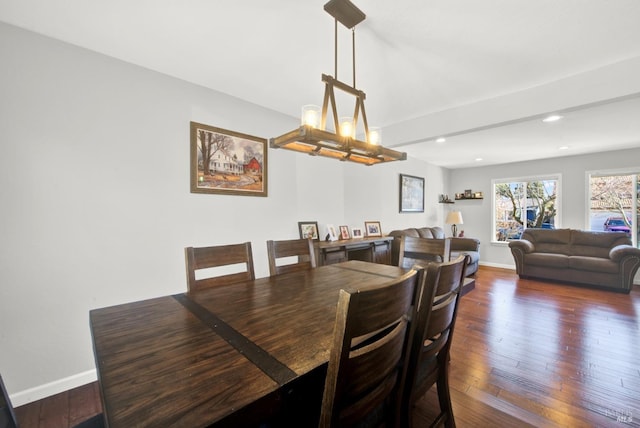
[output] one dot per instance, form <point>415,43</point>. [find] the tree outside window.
<point>614,203</point>
<point>524,204</point>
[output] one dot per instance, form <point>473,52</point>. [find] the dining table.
<point>249,354</point>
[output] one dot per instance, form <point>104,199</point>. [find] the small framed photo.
<point>332,235</point>
<point>411,194</point>
<point>372,228</point>
<point>356,232</point>
<point>468,193</point>
<point>308,229</point>
<point>344,232</point>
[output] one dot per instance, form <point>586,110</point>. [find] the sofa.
<point>459,246</point>
<point>601,259</point>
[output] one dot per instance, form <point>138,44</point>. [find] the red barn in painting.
<point>253,167</point>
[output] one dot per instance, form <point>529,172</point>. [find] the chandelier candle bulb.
<point>346,127</point>
<point>375,136</point>
<point>311,115</point>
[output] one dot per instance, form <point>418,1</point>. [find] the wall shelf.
<point>469,194</point>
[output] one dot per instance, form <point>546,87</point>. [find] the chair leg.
<point>444,397</point>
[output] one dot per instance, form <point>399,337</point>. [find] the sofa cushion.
<point>473,255</point>
<point>596,244</point>
<point>593,264</point>
<point>549,240</point>
<point>547,259</point>
<point>431,232</point>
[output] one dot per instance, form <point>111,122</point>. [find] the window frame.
<point>611,172</point>
<point>525,179</point>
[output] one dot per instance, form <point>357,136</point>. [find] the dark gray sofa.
<point>602,259</point>
<point>459,246</point>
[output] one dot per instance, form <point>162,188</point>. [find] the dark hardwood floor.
<point>525,353</point>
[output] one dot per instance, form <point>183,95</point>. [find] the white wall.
<point>573,169</point>
<point>96,208</point>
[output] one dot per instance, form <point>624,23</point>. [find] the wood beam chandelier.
<point>313,138</point>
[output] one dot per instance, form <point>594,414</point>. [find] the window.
<point>522,203</point>
<point>613,203</point>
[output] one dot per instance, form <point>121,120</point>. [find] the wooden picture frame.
<point>237,163</point>
<point>372,228</point>
<point>344,232</point>
<point>411,194</point>
<point>356,232</point>
<point>308,229</point>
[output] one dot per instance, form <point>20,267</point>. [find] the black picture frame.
<point>309,229</point>
<point>411,194</point>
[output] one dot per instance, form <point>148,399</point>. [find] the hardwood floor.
<point>524,353</point>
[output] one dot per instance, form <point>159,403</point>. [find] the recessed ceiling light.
<point>552,118</point>
<point>478,159</point>
<point>441,140</point>
<point>563,148</point>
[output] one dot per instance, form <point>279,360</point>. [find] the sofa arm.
<point>519,248</point>
<point>465,244</point>
<point>523,245</point>
<point>618,252</point>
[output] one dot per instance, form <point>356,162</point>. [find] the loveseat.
<point>602,259</point>
<point>459,246</point>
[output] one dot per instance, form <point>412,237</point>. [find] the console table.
<point>376,249</point>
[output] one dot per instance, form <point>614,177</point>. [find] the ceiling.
<point>481,73</point>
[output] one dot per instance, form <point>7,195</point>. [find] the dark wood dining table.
<point>249,354</point>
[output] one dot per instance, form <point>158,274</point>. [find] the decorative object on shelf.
<point>444,199</point>
<point>468,194</point>
<point>356,232</point>
<point>309,230</point>
<point>313,138</point>
<point>372,228</point>
<point>227,162</point>
<point>454,218</point>
<point>411,194</point>
<point>332,235</point>
<point>344,232</point>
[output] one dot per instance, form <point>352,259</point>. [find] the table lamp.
<point>454,218</point>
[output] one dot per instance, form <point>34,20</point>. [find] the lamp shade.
<point>454,217</point>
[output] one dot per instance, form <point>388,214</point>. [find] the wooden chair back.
<point>300,248</point>
<point>367,357</point>
<point>7,415</point>
<point>217,256</point>
<point>423,250</point>
<point>428,360</point>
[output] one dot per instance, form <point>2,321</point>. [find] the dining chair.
<point>302,249</point>
<point>370,339</point>
<point>428,360</point>
<point>216,257</point>
<point>417,250</point>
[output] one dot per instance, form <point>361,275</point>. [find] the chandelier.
<point>313,138</point>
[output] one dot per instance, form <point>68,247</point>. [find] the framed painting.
<point>411,194</point>
<point>308,229</point>
<point>227,162</point>
<point>372,228</point>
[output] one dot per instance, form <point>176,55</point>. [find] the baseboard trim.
<point>53,388</point>
<point>498,265</point>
